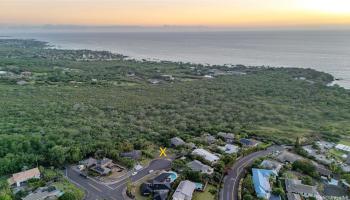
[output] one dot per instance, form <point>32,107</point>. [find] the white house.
<point>206,155</point>
<point>229,148</point>
<point>184,191</point>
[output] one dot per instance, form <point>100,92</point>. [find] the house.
<point>295,186</point>
<point>159,187</point>
<point>286,156</point>
<point>162,178</point>
<point>261,181</point>
<point>248,142</point>
<point>206,155</point>
<point>26,74</point>
<point>343,147</point>
<point>103,167</point>
<point>160,195</point>
<point>321,157</point>
<point>200,167</point>
<point>322,170</point>
<point>168,77</point>
<point>158,190</point>
<point>229,148</point>
<point>292,196</point>
<point>44,193</point>
<point>184,191</point>
<point>209,139</point>
<point>176,141</point>
<point>325,145</point>
<point>191,145</point>
<point>24,176</point>
<point>271,165</point>
<point>89,162</point>
<point>154,81</point>
<point>135,154</point>
<point>228,137</point>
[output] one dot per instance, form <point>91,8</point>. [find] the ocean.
<point>323,50</point>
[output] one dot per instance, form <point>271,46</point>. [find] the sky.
<point>217,13</point>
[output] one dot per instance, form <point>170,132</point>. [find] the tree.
<point>67,196</point>
<point>297,143</point>
<point>278,191</point>
<point>5,197</point>
<point>307,180</point>
<point>57,156</point>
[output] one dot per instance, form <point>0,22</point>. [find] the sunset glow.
<point>176,12</point>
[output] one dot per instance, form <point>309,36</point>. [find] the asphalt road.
<point>231,180</point>
<point>96,190</point>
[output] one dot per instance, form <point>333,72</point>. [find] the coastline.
<point>342,82</point>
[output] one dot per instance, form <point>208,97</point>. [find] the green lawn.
<point>205,195</point>
<point>345,142</point>
<point>66,186</point>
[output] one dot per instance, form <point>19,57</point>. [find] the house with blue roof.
<point>261,181</point>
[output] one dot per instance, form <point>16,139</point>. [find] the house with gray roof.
<point>209,139</point>
<point>200,167</point>
<point>184,191</point>
<point>227,137</point>
<point>176,141</point>
<point>135,154</point>
<point>296,187</point>
<point>272,165</point>
<point>44,193</point>
<point>292,196</point>
<point>229,148</point>
<point>286,156</point>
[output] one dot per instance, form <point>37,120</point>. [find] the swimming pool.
<point>199,186</point>
<point>173,176</point>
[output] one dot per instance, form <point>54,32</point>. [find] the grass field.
<point>67,186</point>
<point>345,142</point>
<point>205,195</point>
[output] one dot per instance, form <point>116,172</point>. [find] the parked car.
<point>134,173</point>
<point>151,171</point>
<point>83,174</point>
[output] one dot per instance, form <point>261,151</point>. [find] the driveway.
<point>96,190</point>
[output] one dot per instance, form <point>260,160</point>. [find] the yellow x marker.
<point>162,152</point>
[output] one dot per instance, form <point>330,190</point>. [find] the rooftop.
<point>229,148</point>
<point>272,165</point>
<point>248,142</point>
<point>261,181</point>
<point>292,196</point>
<point>198,166</point>
<point>176,141</point>
<point>184,191</point>
<point>206,155</point>
<point>295,186</point>
<point>286,156</point>
<point>24,176</point>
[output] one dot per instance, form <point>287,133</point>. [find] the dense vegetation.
<point>58,106</point>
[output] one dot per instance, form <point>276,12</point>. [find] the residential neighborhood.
<point>194,170</point>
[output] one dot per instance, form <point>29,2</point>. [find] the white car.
<point>134,173</point>
<point>151,171</point>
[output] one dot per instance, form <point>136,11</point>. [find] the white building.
<point>184,191</point>
<point>229,148</point>
<point>212,158</point>
<point>343,147</point>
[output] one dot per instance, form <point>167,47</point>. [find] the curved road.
<point>231,180</point>
<point>96,190</point>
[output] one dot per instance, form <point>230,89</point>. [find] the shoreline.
<point>341,82</point>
